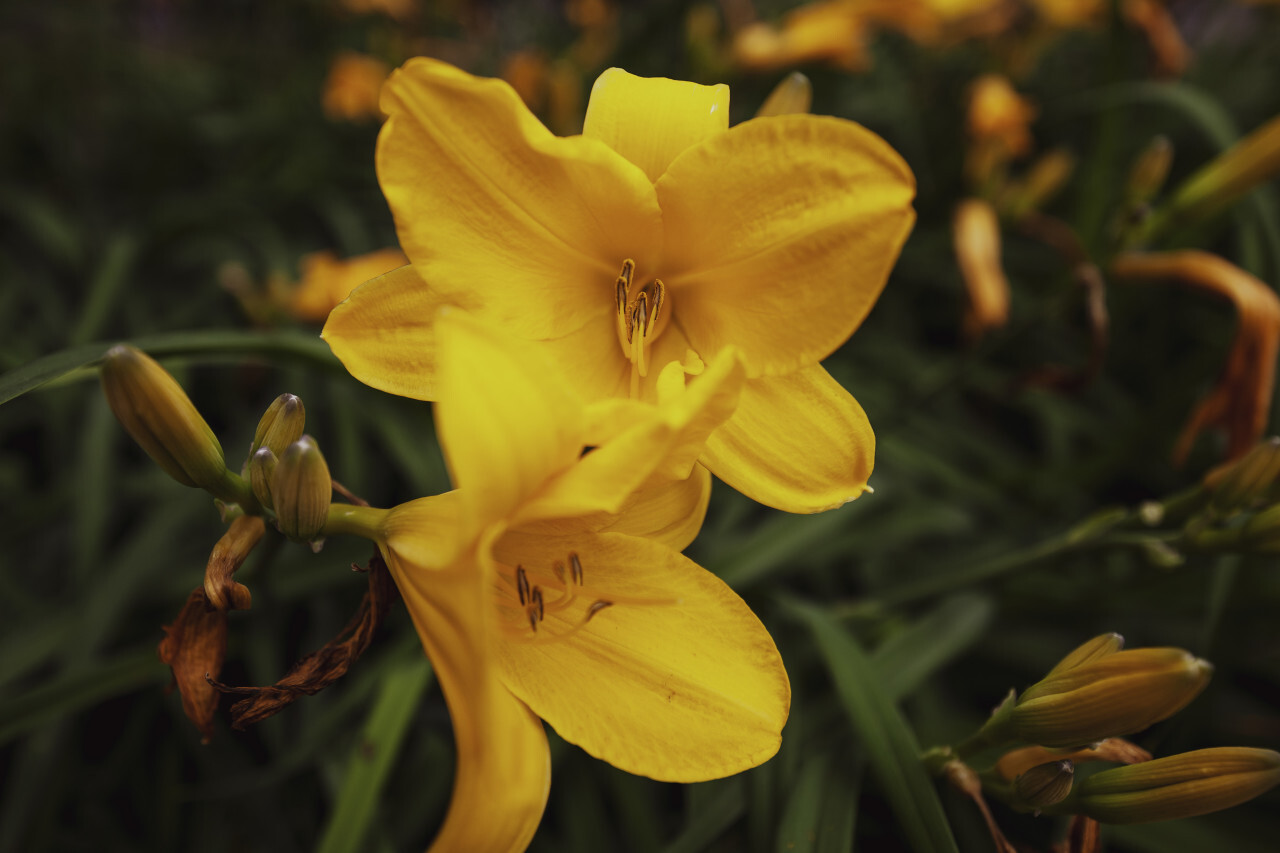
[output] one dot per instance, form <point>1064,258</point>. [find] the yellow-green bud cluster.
<point>1193,783</point>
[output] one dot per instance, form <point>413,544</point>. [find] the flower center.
<point>640,317</point>
<point>554,604</point>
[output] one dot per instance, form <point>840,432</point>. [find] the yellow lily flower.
<point>549,584</point>
<point>658,235</point>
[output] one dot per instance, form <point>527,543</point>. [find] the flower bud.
<point>1186,785</point>
<point>1247,481</point>
<point>153,408</point>
<point>1089,651</point>
<point>1044,785</point>
<point>793,95</point>
<point>262,467</point>
<point>302,490</point>
<point>975,230</point>
<point>1114,694</point>
<point>282,424</point>
<point>1043,180</point>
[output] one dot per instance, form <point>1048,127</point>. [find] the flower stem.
<point>362,521</point>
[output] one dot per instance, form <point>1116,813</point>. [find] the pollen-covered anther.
<point>639,315</point>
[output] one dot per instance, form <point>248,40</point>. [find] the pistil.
<point>639,319</point>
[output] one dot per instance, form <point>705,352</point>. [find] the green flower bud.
<point>282,424</point>
<point>1186,785</point>
<point>262,467</point>
<point>302,490</point>
<point>1251,161</point>
<point>1043,785</point>
<point>1113,694</point>
<point>153,408</point>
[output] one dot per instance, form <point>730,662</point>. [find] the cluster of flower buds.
<point>285,477</point>
<point>1076,715</point>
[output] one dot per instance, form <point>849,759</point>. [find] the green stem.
<point>363,521</point>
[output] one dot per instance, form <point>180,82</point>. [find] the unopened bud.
<point>1248,481</point>
<point>153,408</point>
<point>282,424</point>
<point>1088,651</point>
<point>793,95</point>
<point>975,231</point>
<point>1044,785</point>
<point>1186,785</point>
<point>301,490</point>
<point>1149,171</point>
<point>262,468</point>
<point>1116,693</point>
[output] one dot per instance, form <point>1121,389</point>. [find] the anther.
<point>575,566</point>
<point>537,603</point>
<point>596,607</point>
<point>522,585</point>
<point>558,568</point>
<point>533,621</point>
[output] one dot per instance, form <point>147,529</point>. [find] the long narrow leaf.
<point>888,740</point>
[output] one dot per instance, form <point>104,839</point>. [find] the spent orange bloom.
<point>1241,401</point>
<point>975,230</point>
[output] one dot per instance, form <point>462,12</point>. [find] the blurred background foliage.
<point>168,165</point>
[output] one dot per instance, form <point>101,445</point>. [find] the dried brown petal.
<point>228,555</point>
<point>195,646</point>
<point>321,668</point>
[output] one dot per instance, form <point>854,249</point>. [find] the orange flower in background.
<point>326,281</point>
<point>833,32</point>
<point>1241,401</point>
<point>352,87</point>
<point>976,232</point>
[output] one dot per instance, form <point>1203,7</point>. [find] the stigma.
<point>640,317</point>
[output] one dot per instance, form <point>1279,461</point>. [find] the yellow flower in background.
<point>352,87</point>
<point>975,231</point>
<point>998,114</point>
<point>550,584</point>
<point>659,235</point>
<point>325,281</point>
<point>1241,401</point>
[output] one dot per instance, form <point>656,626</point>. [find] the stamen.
<point>596,607</point>
<point>522,585</point>
<point>533,621</point>
<point>576,566</point>
<point>558,568</point>
<point>537,601</point>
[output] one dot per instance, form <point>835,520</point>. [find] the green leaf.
<point>380,743</point>
<point>906,659</point>
<point>290,344</point>
<point>724,804</point>
<point>822,810</point>
<point>890,744</point>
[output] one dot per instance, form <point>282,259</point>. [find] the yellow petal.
<point>505,420</point>
<point>326,281</point>
<point>799,443</point>
<point>384,333</point>
<point>663,443</point>
<point>650,120</point>
<point>676,679</point>
<point>503,773</point>
<point>488,201</point>
<point>670,511</point>
<point>780,235</point>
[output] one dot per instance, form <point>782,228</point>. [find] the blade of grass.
<point>291,344</point>
<point>374,755</point>
<point>890,744</point>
